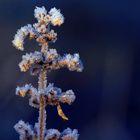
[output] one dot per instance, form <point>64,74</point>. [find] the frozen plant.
<point>39,63</point>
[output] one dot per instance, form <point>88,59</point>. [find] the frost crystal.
<point>28,132</point>
<point>51,55</point>
<point>40,13</point>
<point>52,36</point>
<point>40,28</point>
<point>52,134</point>
<point>29,59</point>
<point>27,89</point>
<point>67,97</point>
<point>72,62</point>
<point>18,41</point>
<point>35,69</point>
<point>25,130</point>
<point>68,134</point>
<point>52,94</point>
<point>56,17</point>
<point>34,100</point>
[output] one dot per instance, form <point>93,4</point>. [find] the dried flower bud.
<point>25,130</point>
<point>27,89</point>
<point>68,134</point>
<point>52,94</point>
<point>67,97</point>
<point>18,41</point>
<point>35,69</point>
<point>42,29</point>
<point>52,36</point>
<point>72,62</point>
<point>56,17</point>
<point>30,59</point>
<point>51,55</point>
<point>52,134</point>
<point>40,13</point>
<point>34,101</point>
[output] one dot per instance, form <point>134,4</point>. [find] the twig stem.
<point>42,112</point>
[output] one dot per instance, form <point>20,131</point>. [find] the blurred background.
<point>107,35</point>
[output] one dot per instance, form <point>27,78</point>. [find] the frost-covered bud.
<point>68,134</point>
<point>52,134</point>
<point>31,31</point>
<point>30,59</point>
<point>34,101</point>
<point>40,28</point>
<point>52,94</point>
<point>22,91</point>
<point>56,17</point>
<point>67,97</point>
<point>25,130</point>
<point>73,62</point>
<point>51,55</point>
<point>35,69</point>
<point>52,36</point>
<point>30,90</point>
<point>41,40</point>
<point>27,89</point>
<point>40,13</point>
<point>18,41</point>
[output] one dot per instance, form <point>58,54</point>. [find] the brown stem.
<point>42,117</point>
<point>42,112</point>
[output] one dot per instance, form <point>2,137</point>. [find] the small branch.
<point>42,117</point>
<point>42,112</point>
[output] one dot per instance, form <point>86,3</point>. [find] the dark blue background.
<point>106,33</point>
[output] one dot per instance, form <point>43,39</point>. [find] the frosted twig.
<point>40,62</point>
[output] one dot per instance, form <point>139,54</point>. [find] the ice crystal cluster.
<point>39,63</point>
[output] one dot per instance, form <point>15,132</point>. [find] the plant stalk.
<point>42,112</point>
